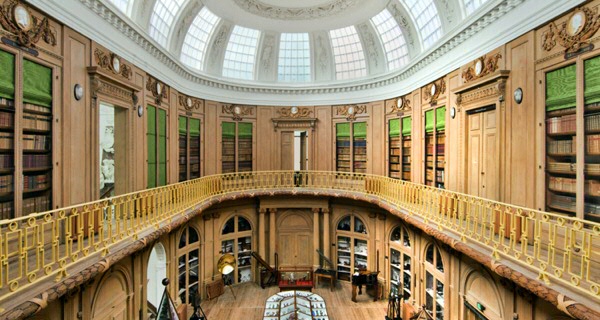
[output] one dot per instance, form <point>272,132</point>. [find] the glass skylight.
<point>392,39</point>
<point>428,20</point>
<point>162,19</point>
<point>121,5</point>
<point>294,57</point>
<point>241,53</point>
<point>194,45</point>
<point>472,5</point>
<point>348,53</point>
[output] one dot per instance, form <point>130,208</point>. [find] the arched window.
<point>236,238</point>
<point>434,282</point>
<point>188,253</point>
<point>352,247</point>
<point>401,263</point>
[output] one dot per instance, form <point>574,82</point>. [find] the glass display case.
<point>288,305</point>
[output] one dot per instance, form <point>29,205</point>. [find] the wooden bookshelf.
<point>435,147</point>
<point>189,148</point>
<point>406,148</point>
<point>351,147</point>
<point>236,147</point>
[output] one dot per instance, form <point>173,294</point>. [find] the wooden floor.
<point>250,303</point>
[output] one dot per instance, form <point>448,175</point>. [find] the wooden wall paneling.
<point>376,137</point>
<point>140,150</point>
<point>520,124</point>
<point>212,130</point>
<point>324,140</point>
<point>418,139</point>
<point>452,135</point>
<point>173,138</point>
<point>264,138</point>
<point>76,139</point>
<point>540,138</point>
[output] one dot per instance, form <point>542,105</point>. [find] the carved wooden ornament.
<point>27,29</point>
<point>574,33</point>
<point>351,111</point>
<point>158,89</point>
<point>189,103</point>
<point>113,63</point>
<point>402,104</point>
<point>294,112</point>
<point>481,67</point>
<point>237,111</point>
<point>434,90</point>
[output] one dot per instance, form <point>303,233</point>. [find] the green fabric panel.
<point>561,88</point>
<point>182,125</point>
<point>228,129</point>
<point>407,126</point>
<point>342,130</point>
<point>440,118</point>
<point>37,84</point>
<point>151,137</point>
<point>162,147</point>
<point>245,130</point>
<point>394,128</point>
<point>592,80</point>
<point>429,121</point>
<point>151,114</point>
<point>360,130</point>
<point>7,76</point>
<point>194,127</point>
<point>151,175</point>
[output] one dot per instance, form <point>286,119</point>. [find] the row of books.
<point>6,119</point>
<point>6,103</point>
<point>593,143</point>
<point>36,160</point>
<point>6,184</point>
<point>395,167</point>
<point>360,165</point>
<point>561,146</point>
<point>343,150</point>
<point>360,150</point>
<point>406,142</point>
<point>343,157</point>
<point>6,210</point>
<point>244,144</point>
<point>360,157</point>
<point>36,142</point>
<point>6,141</point>
<point>562,184</point>
<point>562,167</point>
<point>245,157</point>
<point>394,159</point>
<point>37,122</point>
<point>37,204</point>
<point>40,181</point>
<point>564,124</point>
<point>36,108</point>
<point>562,202</point>
<point>343,164</point>
<point>395,174</point>
<point>6,161</point>
<point>439,175</point>
<point>592,122</point>
<point>395,143</point>
<point>395,152</point>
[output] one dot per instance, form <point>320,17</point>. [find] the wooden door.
<point>482,155</point>
<point>303,151</point>
<point>295,249</point>
<point>287,150</point>
<point>474,169</point>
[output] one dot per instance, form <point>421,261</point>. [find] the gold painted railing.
<point>560,250</point>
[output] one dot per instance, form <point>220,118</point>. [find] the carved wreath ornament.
<point>26,28</point>
<point>482,67</point>
<point>573,33</point>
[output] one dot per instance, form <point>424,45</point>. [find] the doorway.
<point>112,140</point>
<point>482,156</point>
<point>294,150</point>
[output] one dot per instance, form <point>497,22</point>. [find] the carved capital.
<point>26,29</point>
<point>262,210</point>
<point>316,210</point>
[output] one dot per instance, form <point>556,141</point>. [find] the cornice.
<point>378,87</point>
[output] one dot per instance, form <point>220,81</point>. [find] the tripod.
<point>198,312</point>
<point>228,282</point>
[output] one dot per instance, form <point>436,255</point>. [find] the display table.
<point>295,279</point>
<point>291,305</point>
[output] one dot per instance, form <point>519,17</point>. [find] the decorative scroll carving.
<point>189,103</point>
<point>434,90</point>
<point>237,111</point>
<point>267,10</point>
<point>482,65</point>
<point>158,89</point>
<point>113,63</point>
<point>402,104</point>
<point>294,123</point>
<point>26,28</point>
<point>574,33</point>
<point>294,112</point>
<point>350,111</point>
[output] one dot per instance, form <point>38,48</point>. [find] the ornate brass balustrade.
<point>559,249</point>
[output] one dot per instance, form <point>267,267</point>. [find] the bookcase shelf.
<point>351,147</point>
<point>400,145</point>
<point>435,147</point>
<point>236,147</point>
<point>189,148</point>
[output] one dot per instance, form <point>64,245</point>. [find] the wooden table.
<point>331,278</point>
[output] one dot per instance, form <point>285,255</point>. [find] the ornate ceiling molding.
<point>124,26</point>
<point>266,10</point>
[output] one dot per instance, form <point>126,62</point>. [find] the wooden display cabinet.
<point>190,138</point>
<point>399,139</point>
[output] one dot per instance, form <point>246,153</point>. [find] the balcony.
<point>556,257</point>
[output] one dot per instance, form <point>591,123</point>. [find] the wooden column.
<point>315,237</point>
<point>261,232</point>
<point>326,241</point>
<point>272,236</point>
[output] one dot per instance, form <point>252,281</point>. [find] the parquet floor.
<point>250,303</point>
